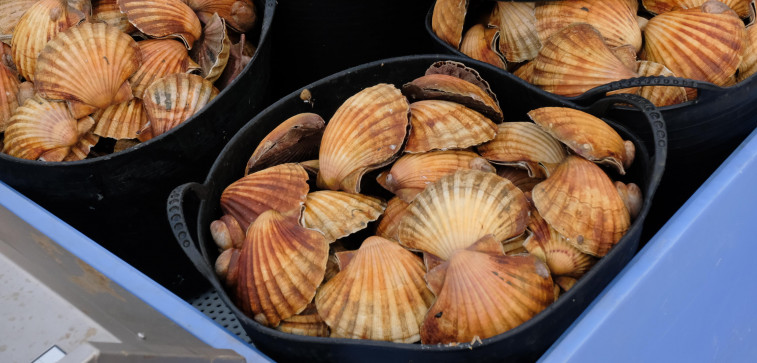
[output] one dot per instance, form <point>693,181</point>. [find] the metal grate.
<point>211,305</point>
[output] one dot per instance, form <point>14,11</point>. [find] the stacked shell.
<point>515,206</point>
<point>569,47</point>
<point>83,62</point>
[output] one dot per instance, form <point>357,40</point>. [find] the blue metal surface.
<point>689,295</point>
<point>121,273</point>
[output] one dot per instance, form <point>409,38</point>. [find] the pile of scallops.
<point>472,226</point>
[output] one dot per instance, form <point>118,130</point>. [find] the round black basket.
<point>191,220</point>
<point>117,199</point>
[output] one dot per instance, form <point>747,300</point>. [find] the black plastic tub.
<point>191,220</point>
<point>118,199</point>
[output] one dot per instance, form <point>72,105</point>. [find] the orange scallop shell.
<point>627,55</point>
<point>741,7</point>
<point>447,20</point>
<point>160,57</point>
<point>389,222</point>
<point>108,12</point>
<point>442,125</point>
<point>523,144</point>
<point>121,121</point>
<point>516,21</point>
<point>8,90</point>
<point>295,139</point>
<point>482,43</point>
<point>748,65</point>
<point>452,88</point>
<point>308,323</point>
<point>211,50</point>
<point>338,214</point>
<point>163,19</point>
<point>519,177</point>
<point>11,12</point>
<point>365,133</point>
<point>40,23</point>
<point>227,233</point>
<point>175,98</point>
<point>554,250</point>
<point>660,95</point>
<point>238,14</point>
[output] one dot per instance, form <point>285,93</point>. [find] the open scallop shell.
<point>411,173</point>
<point>365,133</point>
<point>11,12</point>
<point>519,177</point>
<point>516,21</point>
<point>586,135</point>
<point>574,60</point>
<point>160,57</point>
<point>455,89</point>
<point>509,290</point>
<point>281,266</point>
<point>238,14</point>
<point>523,144</point>
<point>227,233</point>
<point>42,22</point>
<point>748,65</point>
<point>741,7</point>
<point>211,50</point>
<point>385,279</point>
<point>8,90</point>
<point>108,12</point>
<point>109,57</point>
<point>295,139</point>
<point>45,130</point>
<point>442,125</point>
<point>581,203</point>
<point>121,121</point>
<point>173,99</point>
<point>460,70</point>
<point>282,187</point>
<point>554,249</point>
<point>702,43</point>
<point>482,43</point>
<point>614,19</point>
<point>447,20</point>
<point>308,323</point>
<point>338,214</point>
<point>660,95</point>
<point>163,19</point>
<point>459,209</point>
<point>389,222</point>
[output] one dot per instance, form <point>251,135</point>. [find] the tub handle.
<point>180,228</point>
<point>600,91</point>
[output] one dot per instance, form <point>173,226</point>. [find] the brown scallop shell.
<point>45,130</point>
<point>660,95</point>
<point>384,279</point>
<point>508,290</point>
<point>109,56</point>
<point>585,134</point>
<point>442,125</point>
<point>411,173</point>
<point>627,55</point>
<point>173,99</point>
<point>227,233</point>
<point>614,19</point>
<point>741,7</point>
<point>281,266</point>
<point>447,20</point>
<point>238,14</point>
<point>8,95</point>
<point>389,222</point>
<point>339,214</point>
<point>227,267</point>
<point>632,197</point>
<point>308,323</point>
<point>282,187</point>
<point>211,50</point>
<point>460,70</point>
<point>704,43</point>
<point>108,12</point>
<point>160,57</point>
<point>748,65</point>
<point>238,60</point>
<point>459,209</point>
<point>574,60</point>
<point>40,23</point>
<point>554,249</point>
<point>455,89</point>
<point>581,203</point>
<point>365,133</point>
<point>525,71</point>
<point>11,12</point>
<point>516,21</point>
<point>523,144</point>
<point>121,121</point>
<point>482,43</point>
<point>519,177</point>
<point>295,139</point>
<point>163,19</point>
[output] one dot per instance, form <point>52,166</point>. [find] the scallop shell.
<point>124,144</point>
<point>576,59</point>
<point>554,250</point>
<point>581,203</point>
<point>614,19</point>
<point>523,144</point>
<point>703,43</point>
<point>173,99</point>
<point>81,149</point>
<point>238,60</point>
<point>160,57</point>
<point>42,22</point>
<point>45,130</point>
<point>627,55</point>
<point>482,43</point>
<point>516,21</point>
<point>282,187</point>
<point>339,214</point>
<point>227,232</point>
<point>447,20</point>
<point>411,173</point>
<point>632,197</point>
<point>163,19</point>
<point>238,14</point>
<point>121,121</point>
<point>11,12</point>
<point>227,267</point>
<point>459,209</point>
<point>519,177</point>
<point>25,92</point>
<point>565,282</point>
<point>281,266</point>
<point>508,290</point>
<point>660,95</point>
<point>379,295</point>
<point>748,65</point>
<point>585,134</point>
<point>295,139</point>
<point>525,71</point>
<point>442,125</point>
<point>741,7</point>
<point>8,90</point>
<point>308,323</point>
<point>108,12</point>
<point>109,56</point>
<point>365,133</point>
<point>211,50</point>
<point>455,89</point>
<point>390,220</point>
<point>460,70</point>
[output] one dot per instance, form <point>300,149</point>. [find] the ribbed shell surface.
<point>41,22</point>
<point>163,19</point>
<point>175,98</point>
<point>442,125</point>
<point>518,38</point>
<point>160,57</point>
<point>338,214</point>
<point>121,121</point>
